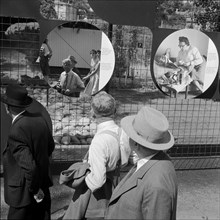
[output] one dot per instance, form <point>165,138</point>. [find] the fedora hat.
<point>17,96</point>
<point>149,128</point>
<point>72,59</point>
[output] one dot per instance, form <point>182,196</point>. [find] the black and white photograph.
<point>91,59</point>
<point>184,64</point>
<point>110,109</point>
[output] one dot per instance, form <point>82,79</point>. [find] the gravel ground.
<point>198,196</point>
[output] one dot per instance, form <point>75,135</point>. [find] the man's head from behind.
<point>103,105</point>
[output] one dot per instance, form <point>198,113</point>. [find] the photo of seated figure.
<point>91,55</point>
<point>69,83</point>
<point>190,57</point>
<point>185,66</point>
<point>188,60</point>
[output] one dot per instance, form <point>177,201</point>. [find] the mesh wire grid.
<point>195,123</point>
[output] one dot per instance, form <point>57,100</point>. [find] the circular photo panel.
<point>185,63</point>
<point>77,59</point>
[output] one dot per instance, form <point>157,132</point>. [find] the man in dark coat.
<point>26,158</point>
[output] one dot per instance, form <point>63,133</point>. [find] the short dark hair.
<point>184,39</point>
<point>67,62</point>
<point>93,51</point>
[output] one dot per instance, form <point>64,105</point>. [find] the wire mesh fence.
<point>195,123</point>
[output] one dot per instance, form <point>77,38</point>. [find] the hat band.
<point>16,102</point>
<point>162,138</point>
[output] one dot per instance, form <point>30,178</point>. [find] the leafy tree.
<point>166,12</point>
<point>207,14</point>
<point>47,9</point>
<point>120,53</point>
<point>133,45</point>
<point>83,5</point>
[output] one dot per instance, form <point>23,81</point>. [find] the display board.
<point>136,13</point>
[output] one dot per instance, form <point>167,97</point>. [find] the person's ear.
<point>7,108</point>
<point>137,146</point>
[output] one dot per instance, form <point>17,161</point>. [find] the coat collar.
<point>18,117</point>
<point>125,185</point>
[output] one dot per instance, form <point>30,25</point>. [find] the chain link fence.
<point>195,123</point>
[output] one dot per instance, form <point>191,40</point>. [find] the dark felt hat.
<point>72,59</point>
<point>17,96</point>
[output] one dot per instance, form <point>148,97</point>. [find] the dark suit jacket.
<point>74,177</point>
<point>26,159</point>
<point>149,193</point>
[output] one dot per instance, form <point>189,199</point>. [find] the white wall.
<point>211,65</point>
<point>196,38</point>
<point>107,62</point>
<point>67,41</point>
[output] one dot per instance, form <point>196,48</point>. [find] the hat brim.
<point>24,104</point>
<point>127,125</point>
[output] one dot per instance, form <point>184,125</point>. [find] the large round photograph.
<point>185,63</point>
<point>77,59</point>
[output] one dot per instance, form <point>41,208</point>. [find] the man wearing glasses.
<point>190,57</point>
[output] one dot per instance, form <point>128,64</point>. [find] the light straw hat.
<point>149,128</point>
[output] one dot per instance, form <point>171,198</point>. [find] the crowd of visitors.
<point>148,191</point>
